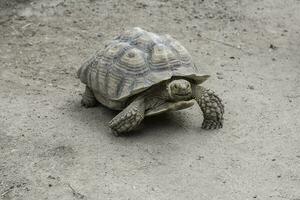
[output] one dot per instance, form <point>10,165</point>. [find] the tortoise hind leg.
<point>129,118</point>
<point>88,98</point>
<point>211,106</point>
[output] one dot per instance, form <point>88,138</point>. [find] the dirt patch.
<point>48,142</point>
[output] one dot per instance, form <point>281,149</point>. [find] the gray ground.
<point>52,148</point>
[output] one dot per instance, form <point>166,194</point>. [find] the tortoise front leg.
<point>211,106</point>
<point>129,118</point>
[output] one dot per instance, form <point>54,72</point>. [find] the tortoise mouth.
<point>183,94</point>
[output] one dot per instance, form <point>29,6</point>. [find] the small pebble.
<point>99,35</point>
<point>200,157</point>
<point>272,46</point>
<point>51,177</point>
<point>250,87</point>
<point>210,15</point>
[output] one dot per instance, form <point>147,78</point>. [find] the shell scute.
<point>132,62</point>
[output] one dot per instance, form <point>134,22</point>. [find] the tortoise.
<point>141,74</point>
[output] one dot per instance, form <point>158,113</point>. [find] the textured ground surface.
<point>52,148</point>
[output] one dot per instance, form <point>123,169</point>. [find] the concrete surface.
<point>52,148</point>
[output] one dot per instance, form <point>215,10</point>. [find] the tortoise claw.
<point>211,124</point>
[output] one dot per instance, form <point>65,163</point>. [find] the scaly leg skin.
<point>88,98</point>
<point>129,118</point>
<point>211,106</point>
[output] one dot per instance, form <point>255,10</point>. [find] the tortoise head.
<point>179,90</point>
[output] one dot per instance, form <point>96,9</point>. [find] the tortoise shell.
<point>134,61</point>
